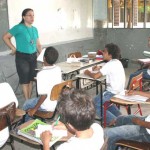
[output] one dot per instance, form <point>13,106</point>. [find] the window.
<point>128,13</point>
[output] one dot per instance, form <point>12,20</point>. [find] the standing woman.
<point>27,44</point>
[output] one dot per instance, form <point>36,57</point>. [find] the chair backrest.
<point>7,115</point>
<point>56,90</point>
<point>7,95</point>
<point>133,144</point>
<point>75,54</point>
<point>136,82</point>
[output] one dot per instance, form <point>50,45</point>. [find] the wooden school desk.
<point>115,100</point>
<point>75,67</point>
<point>70,70</point>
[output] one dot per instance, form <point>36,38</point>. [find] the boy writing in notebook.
<point>115,80</point>
<point>49,76</point>
<point>77,110</point>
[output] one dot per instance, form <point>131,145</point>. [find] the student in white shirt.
<point>115,80</point>
<point>49,76</point>
<point>77,111</point>
<point>7,96</point>
<point>129,127</point>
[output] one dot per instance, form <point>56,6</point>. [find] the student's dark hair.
<point>25,11</point>
<point>51,55</point>
<point>113,50</point>
<point>76,107</point>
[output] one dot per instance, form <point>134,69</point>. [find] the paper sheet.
<point>132,97</point>
<point>40,57</point>
<point>144,60</point>
<point>42,128</point>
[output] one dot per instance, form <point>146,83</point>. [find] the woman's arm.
<point>6,37</point>
<point>39,47</point>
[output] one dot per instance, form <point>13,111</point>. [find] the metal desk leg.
<point>129,110</point>
<point>78,83</point>
<point>101,98</point>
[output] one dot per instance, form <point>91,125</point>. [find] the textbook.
<point>33,131</point>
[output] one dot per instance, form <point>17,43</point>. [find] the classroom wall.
<point>131,41</point>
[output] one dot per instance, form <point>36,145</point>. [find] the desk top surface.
<point>76,66</point>
<point>126,102</point>
<point>83,76</point>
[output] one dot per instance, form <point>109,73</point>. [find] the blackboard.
<point>58,21</point>
<point>3,23</point>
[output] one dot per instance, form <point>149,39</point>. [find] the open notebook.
<point>132,97</point>
<point>33,131</point>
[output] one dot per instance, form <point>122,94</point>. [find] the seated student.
<point>129,127</point>
<point>7,96</point>
<point>115,80</point>
<point>78,113</point>
<point>146,75</point>
<point>49,76</point>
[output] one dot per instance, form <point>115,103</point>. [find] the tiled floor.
<point>145,110</point>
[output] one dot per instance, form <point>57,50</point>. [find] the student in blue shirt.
<point>27,44</point>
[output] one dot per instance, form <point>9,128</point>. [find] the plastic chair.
<point>135,84</point>
<point>56,90</point>
<point>133,144</point>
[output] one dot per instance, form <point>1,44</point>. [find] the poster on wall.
<point>58,21</point>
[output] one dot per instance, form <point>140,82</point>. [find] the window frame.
<point>126,23</point>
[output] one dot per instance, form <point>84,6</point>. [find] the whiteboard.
<point>58,21</point>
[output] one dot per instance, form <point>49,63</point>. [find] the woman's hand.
<point>13,52</point>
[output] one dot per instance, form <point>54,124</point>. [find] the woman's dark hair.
<point>113,50</point>
<point>51,55</point>
<point>76,107</point>
<point>25,11</point>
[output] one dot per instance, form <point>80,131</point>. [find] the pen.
<point>56,122</point>
<point>130,92</point>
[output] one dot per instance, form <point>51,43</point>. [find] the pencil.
<point>56,122</point>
